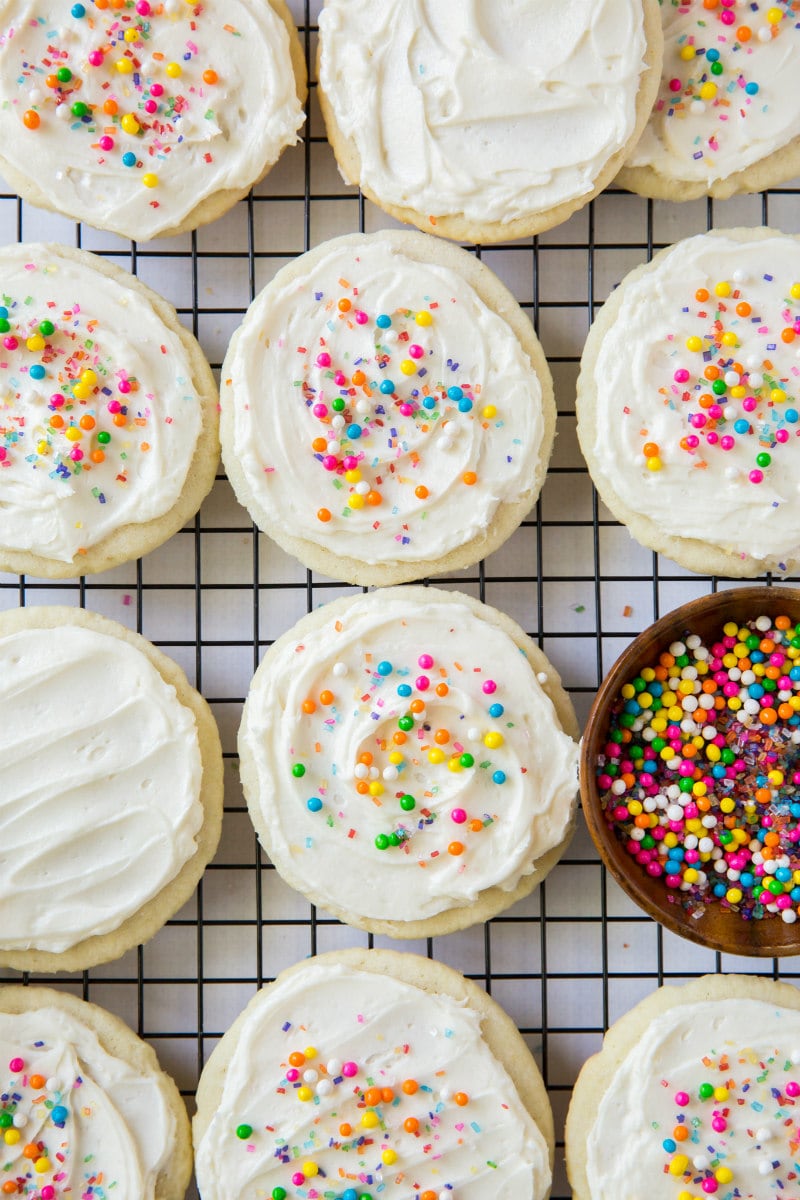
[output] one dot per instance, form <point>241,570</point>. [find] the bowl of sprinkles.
<point>690,771</point>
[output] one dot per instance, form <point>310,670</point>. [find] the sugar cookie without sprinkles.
<point>387,410</point>
<point>727,117</point>
<point>108,415</point>
<point>688,402</point>
<point>485,121</point>
<point>408,760</point>
<point>145,118</point>
<point>111,804</point>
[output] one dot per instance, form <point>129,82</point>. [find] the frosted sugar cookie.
<point>108,415</point>
<point>111,804</point>
<point>146,117</point>
<point>370,1073</point>
<point>486,121</point>
<point>387,410</point>
<point>688,402</point>
<point>694,1093</point>
<point>727,116</point>
<point>85,1109</point>
<point>408,760</point>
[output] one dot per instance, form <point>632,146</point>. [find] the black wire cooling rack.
<point>573,957</point>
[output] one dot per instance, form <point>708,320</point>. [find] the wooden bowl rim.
<point>672,916</point>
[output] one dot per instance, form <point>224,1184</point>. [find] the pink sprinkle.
<point>719,1124</point>
<point>781,435</point>
<point>114,406</point>
<point>681,1098</point>
<point>749,404</point>
<point>150,106</point>
<point>330,462</point>
<point>292,1075</point>
<point>320,410</point>
<point>349,1069</point>
<point>16,1065</point>
<point>425,661</point>
<point>96,58</point>
<point>490,687</point>
<point>361,317</point>
<point>793,1089</point>
<point>349,462</point>
<point>106,142</point>
<point>340,379</point>
<point>459,816</point>
<point>416,351</point>
<point>124,386</point>
<point>422,683</point>
<point>727,442</point>
<point>727,18</point>
<point>57,400</point>
<point>298,1179</point>
<point>10,343</point>
<point>48,1192</point>
<point>323,359</point>
<point>406,409</point>
<point>156,89</point>
<point>681,375</point>
<point>3,453</point>
<point>675,85</point>
<point>756,476</point>
<point>143,8</point>
<point>76,454</point>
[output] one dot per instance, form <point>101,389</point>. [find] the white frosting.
<point>694,136</point>
<point>51,503</point>
<point>490,108</point>
<point>749,1047</point>
<point>392,1032</point>
<point>518,818</point>
<point>197,138</point>
<point>414,437</point>
<point>119,1130</point>
<point>705,492</point>
<point>99,804</point>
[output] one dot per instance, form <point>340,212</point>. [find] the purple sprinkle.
<point>317,296</point>
<point>768,278</point>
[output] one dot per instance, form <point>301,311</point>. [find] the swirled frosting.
<point>698,395</point>
<point>88,1123</point>
<point>407,757</point>
<point>394,1092</point>
<point>99,417</point>
<point>128,116</point>
<point>99,803</point>
<point>728,95</point>
<point>705,1103</point>
<point>380,408</point>
<point>493,109</point>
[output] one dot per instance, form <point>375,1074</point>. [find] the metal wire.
<point>576,955</point>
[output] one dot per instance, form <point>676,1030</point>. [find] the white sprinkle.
<point>340,669</point>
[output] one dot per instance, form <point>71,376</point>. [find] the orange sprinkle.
<point>210,76</point>
<point>410,1087</point>
<point>469,478</point>
<point>326,698</point>
<point>455,848</point>
<point>309,707</point>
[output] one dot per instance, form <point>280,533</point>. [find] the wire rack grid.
<point>577,954</point>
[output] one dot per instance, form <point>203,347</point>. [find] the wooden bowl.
<point>718,928</point>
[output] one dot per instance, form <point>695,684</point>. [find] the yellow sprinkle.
<point>774,15</point>
<point>376,788</point>
<point>435,755</point>
<point>41,1165</point>
<point>88,377</point>
<point>687,53</point>
<point>722,1093</point>
<point>389,1157</point>
<point>131,35</point>
<point>395,758</point>
<point>11,1137</point>
<point>310,1169</point>
<point>795,291</point>
<point>408,367</point>
<point>489,412</point>
<point>355,501</point>
<point>43,448</point>
<point>654,464</point>
<point>723,288</point>
<point>36,342</point>
<point>723,1175</point>
<point>174,70</point>
<point>150,180</point>
<point>454,765</point>
<point>729,339</point>
<point>73,434</point>
<point>707,92</point>
<point>680,1162</point>
<point>310,1052</point>
<point>493,740</point>
<point>369,1120</point>
<point>777,395</point>
<point>694,343</point>
<point>424,318</point>
<point>304,1093</point>
<point>130,124</point>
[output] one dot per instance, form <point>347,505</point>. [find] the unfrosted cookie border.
<point>497,1029</point>
<point>144,923</point>
<point>492,900</point>
<point>704,558</point>
<point>495,295</point>
<point>121,1042</point>
<point>133,540</point>
<point>598,1072</point>
<point>215,205</point>
<point>459,228</point>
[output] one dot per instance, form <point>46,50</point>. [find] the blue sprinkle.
<point>404,689</point>
<point>499,777</point>
<point>129,159</point>
<point>455,393</point>
<point>465,405</point>
<point>384,668</point>
<point>496,710</point>
<point>751,89</point>
<point>383,322</point>
<point>429,402</point>
<point>314,804</point>
<point>78,11</point>
<point>354,432</point>
<point>37,371</point>
<point>387,387</point>
<point>712,55</point>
